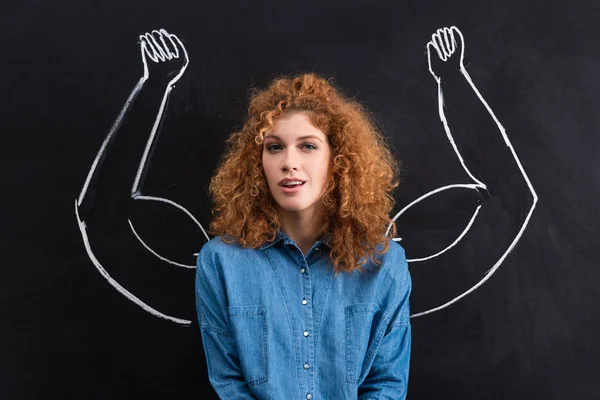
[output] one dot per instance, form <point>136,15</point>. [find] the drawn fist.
<point>445,52</point>
<point>163,55</point>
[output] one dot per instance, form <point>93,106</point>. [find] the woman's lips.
<point>292,189</point>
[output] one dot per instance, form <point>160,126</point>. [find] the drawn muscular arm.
<point>473,130</point>
<point>113,189</point>
<point>116,169</point>
<point>485,152</point>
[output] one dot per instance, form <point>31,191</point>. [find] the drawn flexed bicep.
<point>492,169</point>
<point>112,204</point>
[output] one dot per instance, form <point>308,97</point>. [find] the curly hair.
<point>363,173</point>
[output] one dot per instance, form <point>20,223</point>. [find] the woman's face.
<point>297,150</point>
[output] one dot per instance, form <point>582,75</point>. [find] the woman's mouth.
<point>291,186</point>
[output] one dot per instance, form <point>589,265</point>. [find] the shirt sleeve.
<point>388,376</point>
<point>222,360</point>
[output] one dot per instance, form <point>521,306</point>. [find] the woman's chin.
<point>290,208</point>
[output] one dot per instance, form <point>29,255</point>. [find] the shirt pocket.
<point>365,325</point>
<point>249,329</point>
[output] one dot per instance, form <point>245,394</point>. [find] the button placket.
<point>307,346</point>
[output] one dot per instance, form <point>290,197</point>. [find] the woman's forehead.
<point>294,126</point>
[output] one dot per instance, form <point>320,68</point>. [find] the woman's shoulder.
<point>214,244</point>
<point>394,254</point>
<point>393,262</point>
<point>395,249</point>
<point>219,244</point>
<point>223,248</point>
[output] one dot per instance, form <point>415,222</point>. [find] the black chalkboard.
<point>109,145</point>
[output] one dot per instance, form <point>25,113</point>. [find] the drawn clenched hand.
<point>163,54</point>
<point>445,52</point>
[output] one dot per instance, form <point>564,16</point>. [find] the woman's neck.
<point>304,228</point>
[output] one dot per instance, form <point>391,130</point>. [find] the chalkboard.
<point>115,115</point>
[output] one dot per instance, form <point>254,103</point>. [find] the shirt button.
<point>304,301</point>
<point>308,396</point>
<point>305,333</point>
<point>301,270</point>
<point>306,366</point>
<point>316,249</point>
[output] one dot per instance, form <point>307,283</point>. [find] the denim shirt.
<point>279,325</point>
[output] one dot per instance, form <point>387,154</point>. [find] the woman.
<point>301,295</point>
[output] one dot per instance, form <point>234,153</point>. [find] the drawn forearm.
<point>116,165</point>
<point>478,138</point>
<point>471,129</point>
<point>118,171</point>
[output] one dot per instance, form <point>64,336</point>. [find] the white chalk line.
<point>172,203</point>
<point>154,252</point>
<point>429,194</point>
<point>114,283</point>
<point>136,183</point>
<point>458,239</point>
<point>116,125</point>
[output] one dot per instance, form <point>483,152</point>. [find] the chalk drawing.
<point>446,44</point>
<point>159,46</point>
<point>156,47</point>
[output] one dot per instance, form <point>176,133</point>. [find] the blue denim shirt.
<point>280,325</point>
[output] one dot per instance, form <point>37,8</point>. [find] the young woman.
<point>301,295</point>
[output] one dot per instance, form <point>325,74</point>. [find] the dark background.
<point>66,68</point>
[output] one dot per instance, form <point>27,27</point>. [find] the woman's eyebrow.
<point>310,137</point>
<point>299,139</point>
<point>272,137</point>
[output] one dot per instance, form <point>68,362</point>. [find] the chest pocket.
<point>248,325</point>
<point>365,325</point>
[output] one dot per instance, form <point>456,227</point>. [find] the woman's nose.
<point>290,161</point>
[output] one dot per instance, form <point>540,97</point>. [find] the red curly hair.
<point>362,176</point>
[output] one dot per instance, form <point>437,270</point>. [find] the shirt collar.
<point>278,237</point>
<point>325,239</point>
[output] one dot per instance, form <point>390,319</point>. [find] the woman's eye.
<point>310,146</point>
<point>273,147</point>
